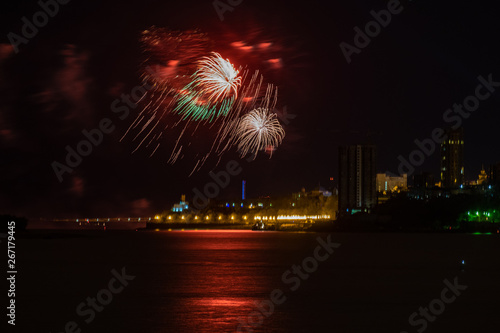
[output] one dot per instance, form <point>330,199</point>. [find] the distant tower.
<point>243,190</point>
<point>452,159</point>
<point>483,176</point>
<point>357,179</point>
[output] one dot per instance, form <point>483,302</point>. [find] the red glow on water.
<point>226,302</point>
<point>214,230</point>
<point>247,99</point>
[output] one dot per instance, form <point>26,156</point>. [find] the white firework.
<point>259,130</point>
<point>217,77</point>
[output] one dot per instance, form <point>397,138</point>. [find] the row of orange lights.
<point>258,217</point>
<point>293,217</point>
<point>157,217</point>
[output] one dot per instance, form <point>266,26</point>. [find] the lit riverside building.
<point>388,183</point>
<point>357,179</point>
<point>452,159</point>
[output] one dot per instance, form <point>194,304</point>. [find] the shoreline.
<point>51,233</point>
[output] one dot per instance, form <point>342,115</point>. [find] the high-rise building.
<point>452,159</point>
<point>357,179</point>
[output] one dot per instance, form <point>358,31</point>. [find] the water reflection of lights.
<point>293,217</point>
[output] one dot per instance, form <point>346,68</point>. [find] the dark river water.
<point>229,281</point>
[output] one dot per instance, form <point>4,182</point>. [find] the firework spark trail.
<point>154,151</point>
<point>152,139</point>
<point>174,155</point>
<point>138,118</point>
<point>258,130</point>
<point>139,145</point>
<point>144,126</point>
<point>152,112</point>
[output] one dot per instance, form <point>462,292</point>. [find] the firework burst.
<point>259,130</point>
<point>212,91</point>
<point>218,77</point>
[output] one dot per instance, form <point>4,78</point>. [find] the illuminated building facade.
<point>483,177</point>
<point>387,183</point>
<point>452,159</point>
<point>357,179</point>
<point>183,205</point>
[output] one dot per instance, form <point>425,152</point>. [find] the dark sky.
<point>394,91</point>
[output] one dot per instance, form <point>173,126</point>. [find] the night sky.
<point>394,91</point>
